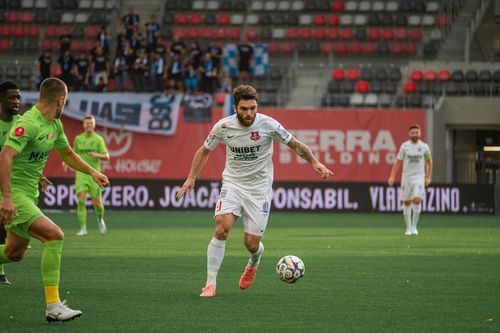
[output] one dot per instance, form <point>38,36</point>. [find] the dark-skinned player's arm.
<point>75,162</point>
<point>306,154</point>
<point>199,160</point>
<point>7,208</point>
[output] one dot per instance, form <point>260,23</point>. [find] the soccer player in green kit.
<point>92,149</point>
<point>22,160</point>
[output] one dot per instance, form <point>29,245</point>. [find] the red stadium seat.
<point>332,33</point>
<point>234,33</point>
<point>74,45</point>
<point>252,33</point>
<point>337,6</point>
<point>341,48</point>
<point>50,31</point>
<point>444,75</point>
<point>410,48</point>
<point>362,87</point>
<point>26,17</point>
<point>356,48</point>
<point>318,20</point>
<point>332,20</point>
<point>182,19</point>
<point>273,47</point>
<point>4,45</point>
<point>442,20</point>
<point>179,33</point>
<point>287,47</point>
<point>220,33</point>
<point>91,31</point>
<point>193,33</point>
<point>416,75</point>
<point>346,34</point>
<point>326,47</point>
<point>353,74</point>
<point>430,75</point>
<point>12,17</point>
<point>319,33</point>
<point>401,34</point>
<point>338,74</point>
<point>207,32</point>
<point>66,30</point>
<point>32,31</point>
<point>47,45</point>
<point>17,31</point>
<point>292,33</point>
<point>223,19</point>
<point>396,48</point>
<point>305,33</point>
<point>4,31</point>
<point>87,46</point>
<point>387,34</point>
<point>410,87</point>
<point>415,34</point>
<point>369,48</point>
<point>374,34</point>
<point>196,19</point>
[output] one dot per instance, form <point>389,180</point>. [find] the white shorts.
<point>252,208</point>
<point>412,189</point>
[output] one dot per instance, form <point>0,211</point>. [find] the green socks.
<point>99,211</point>
<point>81,212</point>
<point>51,262</point>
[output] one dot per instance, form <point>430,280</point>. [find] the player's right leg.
<point>81,212</point>
<point>3,237</point>
<point>406,196</point>
<point>52,238</point>
<point>99,212</point>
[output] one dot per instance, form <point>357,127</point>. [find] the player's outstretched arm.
<point>7,208</point>
<point>199,160</point>
<point>305,153</point>
<point>75,162</point>
<point>394,171</point>
<point>104,157</point>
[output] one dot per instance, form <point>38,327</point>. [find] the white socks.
<point>407,215</point>
<point>215,255</point>
<point>254,260</point>
<point>416,214</point>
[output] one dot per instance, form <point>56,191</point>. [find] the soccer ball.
<point>290,269</point>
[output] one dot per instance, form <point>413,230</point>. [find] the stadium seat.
<point>423,87</point>
<point>168,19</point>
<point>12,17</point>
<point>400,34</point>
<point>410,87</point>
<point>252,33</point>
<point>362,86</point>
<point>338,74</point>
<point>341,48</point>
<point>223,19</point>
<point>305,20</point>
<point>352,74</point>
<point>26,17</point>
<point>257,6</point>
<point>209,19</point>
<point>332,33</point>
<point>401,20</point>
<point>318,20</point>
<point>375,87</point>
<point>67,18</point>
<point>369,48</point>
<point>14,4</point>
<point>416,75</point>
<point>430,75</point>
<point>264,33</point>
<point>196,19</point>
<point>347,87</point>
<point>54,18</point>
<point>5,31</point>
<point>46,45</point>
<point>32,31</point>
<point>91,32</point>
<point>326,47</point>
<point>342,100</point>
<point>305,33</point>
<point>270,6</point>
<point>415,34</point>
<point>346,33</point>
<point>50,31</point>
<point>385,100</point>
<point>346,20</point>
<point>332,20</point>
<point>319,33</point>
<point>199,5</point>
<point>386,20</point>
<point>350,6</point>
<point>73,4</point>
<point>240,6</point>
<point>337,6</point>
<point>437,88</point>
<point>414,21</point>
<point>41,4</point>
<point>378,6</point>
<point>334,87</point>
<point>415,101</point>
<point>356,99</point>
<point>251,19</point>
<point>356,48</point>
<point>273,47</point>
<point>396,48</point>
<point>292,33</point>
<point>373,34</point>
<point>485,76</point>
<point>360,34</point>
<point>471,76</point>
<point>401,101</point>
<point>212,5</point>
<point>4,45</point>
<point>365,6</point>
<point>387,34</point>
<point>18,45</point>
<point>389,87</point>
<point>428,21</point>
<point>81,18</point>
<point>381,74</point>
<point>193,33</point>
<point>444,75</point>
<point>394,74</point>
<point>225,5</point>
<point>284,6</point>
<point>496,76</point>
<point>278,33</point>
<point>432,7</point>
<point>286,48</point>
<point>382,48</point>
<point>360,20</point>
<point>182,19</point>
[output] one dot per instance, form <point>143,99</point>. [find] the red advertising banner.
<point>357,145</point>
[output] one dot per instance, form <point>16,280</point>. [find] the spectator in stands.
<point>216,55</point>
<point>226,85</point>
<point>195,54</point>
<point>104,38</point>
<point>44,64</point>
<point>178,47</point>
<point>245,56</point>
<point>102,85</point>
<point>175,70</point>
<point>152,33</point>
<point>208,74</point>
<point>121,39</point>
<point>135,38</point>
<point>141,71</point>
<point>130,21</point>
<point>82,72</point>
<point>160,47</point>
<point>191,78</point>
<point>158,71</point>
<point>65,42</point>
<point>66,63</point>
<point>99,67</point>
<point>171,87</point>
<point>120,70</point>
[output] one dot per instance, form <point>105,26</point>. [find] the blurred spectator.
<point>66,63</point>
<point>120,70</point>
<point>171,87</point>
<point>178,46</point>
<point>195,54</point>
<point>130,21</point>
<point>82,72</point>
<point>141,71</point>
<point>208,74</point>
<point>44,64</point>
<point>99,67</point>
<point>191,79</point>
<point>216,54</point>
<point>102,85</point>
<point>245,55</point>
<point>226,82</point>
<point>64,42</point>
<point>160,47</point>
<point>175,70</point>
<point>121,39</point>
<point>152,32</point>
<point>159,72</point>
<point>104,38</point>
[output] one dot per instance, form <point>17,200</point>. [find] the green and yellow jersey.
<point>5,129</point>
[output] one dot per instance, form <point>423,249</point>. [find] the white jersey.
<point>249,151</point>
<point>413,156</point>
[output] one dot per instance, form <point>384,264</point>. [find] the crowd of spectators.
<point>143,62</point>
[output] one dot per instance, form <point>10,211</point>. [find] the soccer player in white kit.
<point>246,180</point>
<point>415,156</point>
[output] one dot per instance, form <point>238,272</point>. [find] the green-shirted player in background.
<point>22,160</point>
<point>92,149</point>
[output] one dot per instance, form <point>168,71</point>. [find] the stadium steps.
<point>309,88</point>
<point>453,48</point>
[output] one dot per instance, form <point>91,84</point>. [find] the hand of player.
<point>322,170</point>
<point>92,154</point>
<point>390,182</point>
<point>44,183</point>
<point>427,181</point>
<point>100,179</point>
<point>186,187</point>
<point>7,210</point>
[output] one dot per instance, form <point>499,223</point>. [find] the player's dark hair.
<point>51,89</point>
<point>88,117</point>
<point>244,92</point>
<point>7,85</point>
<point>412,126</point>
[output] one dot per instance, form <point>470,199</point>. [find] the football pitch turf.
<point>362,275</point>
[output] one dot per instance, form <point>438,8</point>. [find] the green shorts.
<point>85,183</point>
<point>27,213</point>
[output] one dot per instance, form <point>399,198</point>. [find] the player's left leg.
<point>52,237</point>
<point>255,248</point>
<point>417,208</point>
<point>81,213</point>
<point>99,211</point>
<point>3,237</point>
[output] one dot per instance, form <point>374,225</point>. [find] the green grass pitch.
<point>362,275</point>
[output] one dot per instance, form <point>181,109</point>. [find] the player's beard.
<point>12,112</point>
<point>414,139</point>
<point>244,120</point>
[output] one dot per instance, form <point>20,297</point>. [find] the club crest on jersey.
<point>19,131</point>
<point>254,136</point>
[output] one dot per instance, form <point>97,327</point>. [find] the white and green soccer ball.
<point>290,269</point>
